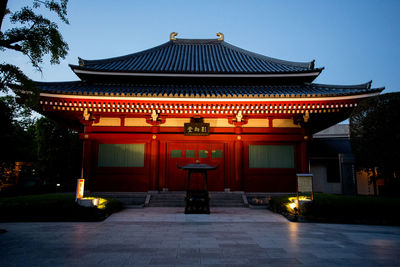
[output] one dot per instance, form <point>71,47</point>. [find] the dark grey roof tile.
<point>196,56</point>
<point>305,90</point>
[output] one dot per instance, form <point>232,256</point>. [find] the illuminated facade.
<point>259,114</point>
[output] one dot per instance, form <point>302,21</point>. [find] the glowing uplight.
<point>293,205</point>
<point>301,198</point>
<point>100,203</point>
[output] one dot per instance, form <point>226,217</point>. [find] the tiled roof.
<point>195,56</point>
<point>305,90</point>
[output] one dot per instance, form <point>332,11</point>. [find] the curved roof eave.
<point>79,70</point>
<point>307,91</point>
<point>366,85</point>
<point>212,99</point>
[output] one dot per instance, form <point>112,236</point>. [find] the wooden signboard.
<point>304,183</point>
<point>197,128</point>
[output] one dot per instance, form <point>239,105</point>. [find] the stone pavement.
<point>226,237</point>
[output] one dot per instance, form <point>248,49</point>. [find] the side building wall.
<point>332,162</point>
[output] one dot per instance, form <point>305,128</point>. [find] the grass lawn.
<point>53,207</point>
<point>343,209</point>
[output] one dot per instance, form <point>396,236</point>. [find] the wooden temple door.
<point>212,154</point>
<point>176,179</point>
<point>185,153</point>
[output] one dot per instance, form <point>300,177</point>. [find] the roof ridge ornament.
<point>80,62</point>
<point>220,36</point>
<point>172,36</point>
<point>369,84</point>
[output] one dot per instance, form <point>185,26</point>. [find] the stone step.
<point>226,196</point>
<point>169,199</point>
<point>228,205</point>
<point>133,206</point>
<point>221,197</point>
<point>225,201</point>
<point>180,204</point>
<point>166,198</point>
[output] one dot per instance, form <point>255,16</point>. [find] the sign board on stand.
<point>304,185</point>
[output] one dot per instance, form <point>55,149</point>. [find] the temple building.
<point>197,100</point>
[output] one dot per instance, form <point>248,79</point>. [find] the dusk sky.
<point>356,41</point>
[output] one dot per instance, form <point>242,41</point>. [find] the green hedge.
<point>344,209</point>
<point>278,204</point>
<point>52,207</point>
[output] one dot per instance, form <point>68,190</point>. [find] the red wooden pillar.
<point>238,152</point>
<point>162,165</point>
<point>87,161</point>
<point>304,157</point>
<point>154,159</point>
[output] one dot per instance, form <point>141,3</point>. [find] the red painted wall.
<point>160,170</point>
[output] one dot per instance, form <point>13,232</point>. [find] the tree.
<point>375,138</point>
<point>54,149</point>
<point>34,36</point>
<point>16,138</point>
<point>59,152</point>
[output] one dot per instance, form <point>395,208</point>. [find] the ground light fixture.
<point>304,185</point>
<point>85,201</point>
<point>296,202</point>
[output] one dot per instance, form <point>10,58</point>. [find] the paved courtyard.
<point>228,236</point>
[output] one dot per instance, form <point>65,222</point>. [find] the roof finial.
<point>172,36</point>
<point>221,36</point>
<point>81,62</point>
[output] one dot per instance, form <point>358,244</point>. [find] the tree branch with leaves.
<point>33,35</point>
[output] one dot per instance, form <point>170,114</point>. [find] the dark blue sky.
<point>356,41</point>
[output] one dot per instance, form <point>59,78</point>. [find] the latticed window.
<point>271,156</point>
<point>121,155</point>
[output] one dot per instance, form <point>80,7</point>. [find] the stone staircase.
<point>177,199</point>
<point>222,199</point>
<point>167,199</point>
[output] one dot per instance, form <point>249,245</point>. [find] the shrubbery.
<point>53,207</point>
<point>344,209</point>
<point>279,204</point>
